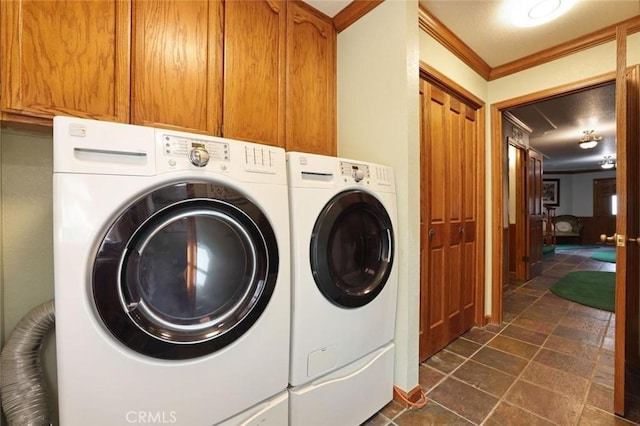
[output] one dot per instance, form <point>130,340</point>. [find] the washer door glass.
<point>351,249</point>
<point>180,275</point>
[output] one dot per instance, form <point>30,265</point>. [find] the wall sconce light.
<point>589,140</point>
<point>607,162</point>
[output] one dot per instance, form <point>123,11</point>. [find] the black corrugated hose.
<point>22,387</point>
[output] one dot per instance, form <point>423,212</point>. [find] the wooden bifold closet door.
<point>448,230</point>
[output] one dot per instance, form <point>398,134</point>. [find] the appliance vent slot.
<point>317,176</point>
<point>110,156</point>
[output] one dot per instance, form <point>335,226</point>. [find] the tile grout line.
<point>506,392</point>
<point>540,347</point>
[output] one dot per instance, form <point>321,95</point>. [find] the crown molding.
<point>354,11</point>
<point>576,45</point>
<point>436,29</point>
<point>516,121</point>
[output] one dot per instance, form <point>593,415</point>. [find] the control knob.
<point>358,175</point>
<point>199,157</point>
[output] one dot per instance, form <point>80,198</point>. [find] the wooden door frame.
<point>432,75</point>
<point>499,160</point>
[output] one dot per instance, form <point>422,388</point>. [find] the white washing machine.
<point>343,219</point>
<point>172,275</point>
<point>272,412</point>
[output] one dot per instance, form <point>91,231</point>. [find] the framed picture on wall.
<point>551,192</point>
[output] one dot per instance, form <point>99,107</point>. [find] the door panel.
<point>254,71</point>
<point>455,189</point>
<point>534,202</point>
<point>177,65</point>
<point>436,235</point>
<point>627,356</point>
<point>469,270</point>
<point>518,215</point>
<point>603,190</point>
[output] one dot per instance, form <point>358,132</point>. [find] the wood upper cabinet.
<point>311,81</point>
<point>65,57</point>
<point>254,71</point>
<point>214,67</point>
<point>176,68</point>
<point>262,71</point>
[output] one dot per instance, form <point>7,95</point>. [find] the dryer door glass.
<point>352,249</point>
<point>188,276</point>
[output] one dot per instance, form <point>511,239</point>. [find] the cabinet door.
<point>177,64</point>
<point>311,81</point>
<point>65,57</point>
<point>254,70</point>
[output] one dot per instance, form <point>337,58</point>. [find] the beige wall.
<point>27,229</point>
<point>378,121</point>
<point>437,56</point>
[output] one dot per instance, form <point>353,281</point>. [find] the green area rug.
<point>591,288</point>
<point>608,255</point>
<point>576,246</point>
<point>548,251</point>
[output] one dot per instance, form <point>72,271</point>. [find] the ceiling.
<point>480,25</point>
<point>557,125</point>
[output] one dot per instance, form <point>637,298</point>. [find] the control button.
<point>358,175</point>
<point>223,167</point>
<point>199,157</point>
<point>172,162</point>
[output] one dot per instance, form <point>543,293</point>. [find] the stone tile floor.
<point>549,363</point>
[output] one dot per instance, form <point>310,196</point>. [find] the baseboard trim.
<point>401,397</point>
<point>487,320</point>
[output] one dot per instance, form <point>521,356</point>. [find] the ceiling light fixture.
<point>530,13</point>
<point>588,140</point>
<point>544,8</point>
<point>607,162</point>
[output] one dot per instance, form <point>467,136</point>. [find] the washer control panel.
<point>213,154</point>
<point>198,151</point>
<point>356,171</point>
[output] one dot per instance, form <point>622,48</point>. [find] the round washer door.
<point>351,249</point>
<point>185,270</point>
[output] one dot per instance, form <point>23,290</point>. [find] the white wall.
<point>378,121</point>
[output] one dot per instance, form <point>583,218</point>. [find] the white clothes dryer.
<point>343,221</point>
<point>172,274</point>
